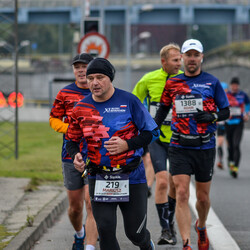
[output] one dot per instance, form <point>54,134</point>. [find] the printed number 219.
<point>112,184</point>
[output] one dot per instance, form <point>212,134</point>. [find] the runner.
<point>115,125</point>
<point>239,113</point>
<point>221,132</point>
<point>149,169</point>
<point>195,96</point>
<point>152,85</point>
<point>77,187</point>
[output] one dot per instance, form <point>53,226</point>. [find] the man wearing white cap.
<point>196,96</point>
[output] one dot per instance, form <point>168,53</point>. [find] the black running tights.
<point>234,135</point>
<point>134,215</point>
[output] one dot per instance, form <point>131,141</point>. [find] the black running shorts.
<point>192,161</point>
<point>221,130</point>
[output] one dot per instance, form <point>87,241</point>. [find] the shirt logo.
<point>120,109</point>
<point>197,85</point>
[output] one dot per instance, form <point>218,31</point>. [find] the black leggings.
<point>134,218</point>
<point>234,135</point>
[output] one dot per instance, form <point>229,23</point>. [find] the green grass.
<point>39,155</point>
<point>3,235</point>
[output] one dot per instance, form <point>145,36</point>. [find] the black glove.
<point>204,117</point>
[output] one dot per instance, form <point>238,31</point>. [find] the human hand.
<point>245,117</point>
<point>79,163</point>
<point>204,116</point>
<point>115,145</point>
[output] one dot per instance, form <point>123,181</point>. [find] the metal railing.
<point>78,3</point>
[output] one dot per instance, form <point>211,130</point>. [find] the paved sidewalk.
<point>41,207</point>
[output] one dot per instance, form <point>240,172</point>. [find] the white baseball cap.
<point>192,44</point>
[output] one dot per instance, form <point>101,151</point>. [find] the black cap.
<point>235,80</point>
<point>103,66</point>
<point>83,58</point>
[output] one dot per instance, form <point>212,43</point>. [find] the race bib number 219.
<point>111,188</point>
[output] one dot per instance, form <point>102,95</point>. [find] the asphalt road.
<point>60,236</point>
<point>230,200</point>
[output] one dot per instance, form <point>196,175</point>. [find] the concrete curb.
<point>45,219</point>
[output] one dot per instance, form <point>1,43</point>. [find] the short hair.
<point>164,53</point>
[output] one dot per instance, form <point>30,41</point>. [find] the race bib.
<point>235,111</point>
<point>187,105</point>
<point>112,188</point>
<point>154,106</point>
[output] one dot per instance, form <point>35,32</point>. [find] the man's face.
<point>172,64</point>
<point>100,86</point>
<point>80,70</point>
<point>234,87</point>
<point>192,62</point>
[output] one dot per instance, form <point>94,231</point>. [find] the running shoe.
<point>186,246</point>
<point>220,165</point>
<point>203,241</point>
<point>231,167</point>
<point>173,233</point>
<point>152,245</point>
<point>165,237</point>
<point>235,172</point>
<point>78,243</point>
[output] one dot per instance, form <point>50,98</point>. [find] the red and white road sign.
<point>95,44</point>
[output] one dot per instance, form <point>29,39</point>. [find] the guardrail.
<point>36,103</point>
<point>78,3</point>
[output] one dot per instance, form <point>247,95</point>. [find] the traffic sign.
<point>95,44</point>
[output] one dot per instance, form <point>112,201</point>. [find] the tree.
<point>211,36</point>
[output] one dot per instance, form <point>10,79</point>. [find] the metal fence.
<point>8,114</point>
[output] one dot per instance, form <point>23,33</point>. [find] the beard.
<point>193,68</point>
